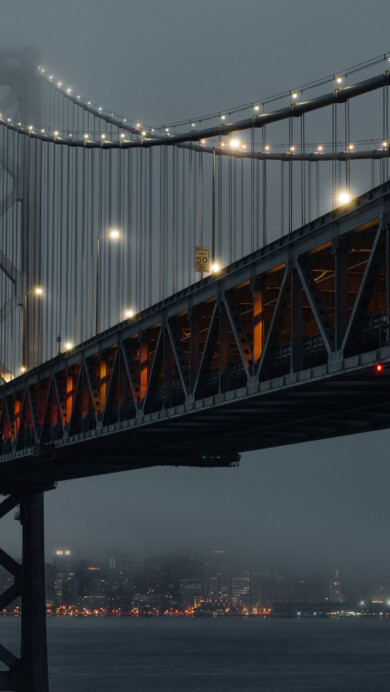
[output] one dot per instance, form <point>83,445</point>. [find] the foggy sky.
<point>323,504</point>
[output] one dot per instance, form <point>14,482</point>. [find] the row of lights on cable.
<point>293,94</point>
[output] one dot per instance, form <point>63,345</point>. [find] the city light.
<point>68,346</point>
<point>294,95</point>
<point>339,80</point>
<point>129,313</point>
<point>385,144</point>
<point>22,370</point>
<point>256,108</point>
<point>223,117</point>
<point>379,367</point>
<point>235,143</point>
<point>38,290</point>
<point>114,234</point>
<point>215,268</point>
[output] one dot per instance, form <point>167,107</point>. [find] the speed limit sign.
<point>202,263</point>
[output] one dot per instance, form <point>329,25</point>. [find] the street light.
<point>344,197</point>
<point>37,291</point>
<point>113,234</point>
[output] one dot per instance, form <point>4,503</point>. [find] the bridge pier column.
<point>29,673</point>
<point>33,645</point>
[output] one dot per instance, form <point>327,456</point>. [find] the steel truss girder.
<point>199,348</point>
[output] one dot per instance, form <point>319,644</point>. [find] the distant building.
<point>302,590</point>
<point>64,577</point>
<point>190,592</point>
<point>241,584</point>
<point>50,591</point>
<point>335,592</point>
<point>218,576</point>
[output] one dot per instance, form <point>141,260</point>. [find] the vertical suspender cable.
<point>303,179</point>
<point>242,210</point>
<point>174,220</point>
<point>264,135</point>
<point>282,197</point>
<point>230,204</point>
<point>290,175</point>
<point>150,244</point>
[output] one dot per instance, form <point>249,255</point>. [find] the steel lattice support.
<point>29,673</point>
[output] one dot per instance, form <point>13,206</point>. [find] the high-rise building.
<point>218,576</point>
<point>335,592</point>
<point>65,584</point>
<point>302,590</point>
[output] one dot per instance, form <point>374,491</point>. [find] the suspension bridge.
<point>180,293</point>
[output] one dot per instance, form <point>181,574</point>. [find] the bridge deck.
<point>279,348</point>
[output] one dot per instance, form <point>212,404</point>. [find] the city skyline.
<point>217,574</point>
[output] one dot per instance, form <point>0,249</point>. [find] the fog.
<point>320,505</point>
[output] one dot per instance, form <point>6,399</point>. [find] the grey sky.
<point>323,503</point>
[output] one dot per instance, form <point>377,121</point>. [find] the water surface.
<point>212,655</point>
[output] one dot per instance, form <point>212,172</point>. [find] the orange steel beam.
<point>258,322</point>
<point>143,375</point>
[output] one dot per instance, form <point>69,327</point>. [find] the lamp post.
<point>37,291</point>
<point>215,266</point>
<point>113,234</point>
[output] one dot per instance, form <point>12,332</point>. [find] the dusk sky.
<point>323,504</point>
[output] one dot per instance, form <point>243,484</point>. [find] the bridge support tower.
<point>29,671</point>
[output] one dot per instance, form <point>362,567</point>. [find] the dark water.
<point>229,655</point>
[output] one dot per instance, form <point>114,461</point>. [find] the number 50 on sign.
<point>202,263</point>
